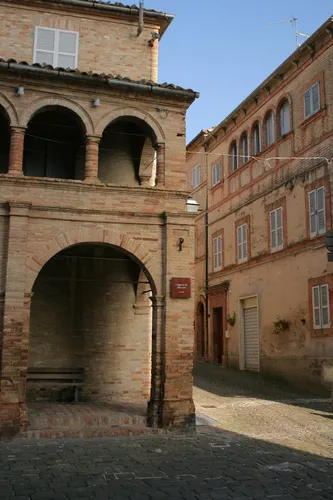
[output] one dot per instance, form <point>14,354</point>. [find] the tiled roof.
<point>12,65</point>
<point>118,4</point>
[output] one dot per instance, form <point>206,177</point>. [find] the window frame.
<point>321,325</point>
<point>56,51</point>
<point>217,253</point>
<point>316,212</point>
<point>244,158</point>
<point>282,132</point>
<point>269,124</point>
<point>243,230</point>
<point>256,126</point>
<point>233,157</point>
<point>310,92</point>
<point>197,168</point>
<point>215,181</point>
<point>277,246</point>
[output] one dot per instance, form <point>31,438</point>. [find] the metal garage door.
<point>251,339</point>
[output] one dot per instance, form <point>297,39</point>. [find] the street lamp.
<point>192,206</point>
<point>328,242</point>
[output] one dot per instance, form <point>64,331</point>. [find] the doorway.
<point>218,334</point>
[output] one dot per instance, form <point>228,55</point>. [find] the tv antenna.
<point>294,22</point>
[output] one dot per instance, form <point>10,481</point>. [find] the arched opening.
<point>269,129</point>
<point>5,140</point>
<point>233,157</point>
<point>284,122</point>
<point>244,148</point>
<point>126,154</point>
<point>200,330</point>
<point>90,311</point>
<point>256,139</point>
<point>54,144</point>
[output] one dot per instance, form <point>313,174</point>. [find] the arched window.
<point>233,157</point>
<point>284,118</point>
<point>256,140</point>
<point>244,148</point>
<point>270,129</point>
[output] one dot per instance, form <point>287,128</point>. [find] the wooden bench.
<point>57,378</point>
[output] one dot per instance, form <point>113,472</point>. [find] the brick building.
<point>92,206</point>
<point>264,292</point>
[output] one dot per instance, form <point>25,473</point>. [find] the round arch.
<point>45,102</point>
<point>9,109</point>
<point>132,248</point>
<point>129,112</point>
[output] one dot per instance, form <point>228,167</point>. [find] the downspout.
<point>163,318</point>
<point>140,28</point>
<point>206,270</point>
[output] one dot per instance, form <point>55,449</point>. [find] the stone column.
<point>91,164</point>
<point>16,150</point>
<point>160,164</point>
<point>15,326</point>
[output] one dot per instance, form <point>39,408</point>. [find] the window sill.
<point>284,137</point>
<point>219,184</point>
<point>217,269</point>
<point>318,114</point>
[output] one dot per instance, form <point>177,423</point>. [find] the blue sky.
<point>225,48</point>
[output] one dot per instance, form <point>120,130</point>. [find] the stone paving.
<point>256,440</point>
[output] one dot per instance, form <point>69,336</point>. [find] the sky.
<point>225,48</point>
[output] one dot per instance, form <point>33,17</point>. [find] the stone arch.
<point>44,102</point>
<point>10,110</point>
<point>112,237</point>
<point>109,117</point>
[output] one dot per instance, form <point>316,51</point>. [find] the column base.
<point>92,180</point>
<point>175,415</point>
<point>15,173</point>
<point>13,419</point>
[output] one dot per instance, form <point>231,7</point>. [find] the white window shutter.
<point>45,40</point>
<point>307,103</point>
<point>67,48</point>
<point>244,241</point>
<point>239,242</point>
<point>220,251</point>
<point>325,312</point>
<point>285,118</point>
<point>316,307</point>
<point>273,229</point>
<point>313,212</point>
<point>321,210</point>
<point>315,97</point>
<point>279,228</point>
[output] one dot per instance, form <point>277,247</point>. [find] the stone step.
<point>80,421</point>
<point>89,432</point>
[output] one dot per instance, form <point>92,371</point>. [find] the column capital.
<point>18,129</point>
<point>93,138</point>
<point>159,145</point>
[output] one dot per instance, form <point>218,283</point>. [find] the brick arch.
<point>10,110</point>
<point>43,102</point>
<point>85,236</point>
<point>128,112</point>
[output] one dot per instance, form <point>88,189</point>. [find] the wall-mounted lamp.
<point>20,91</point>
<point>328,242</point>
<point>96,102</point>
<point>192,206</point>
<point>180,244</point>
<point>154,36</point>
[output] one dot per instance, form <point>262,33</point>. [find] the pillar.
<point>16,150</point>
<point>15,326</point>
<point>91,163</point>
<point>160,164</point>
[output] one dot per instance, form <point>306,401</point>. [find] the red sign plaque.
<point>180,288</point>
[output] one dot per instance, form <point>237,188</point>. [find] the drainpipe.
<point>140,28</point>
<point>163,330</point>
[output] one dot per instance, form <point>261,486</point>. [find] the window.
<point>276,229</point>
<point>242,242</point>
<point>244,149</point>
<point>312,100</point>
<point>216,173</point>
<point>317,212</point>
<point>320,306</point>
<point>284,118</point>
<point>195,176</point>
<point>217,251</point>
<point>256,140</point>
<point>269,128</point>
<point>234,157</point>
<point>59,48</point>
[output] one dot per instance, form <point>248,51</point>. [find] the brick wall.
<point>107,44</point>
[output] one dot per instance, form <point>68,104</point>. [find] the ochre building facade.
<point>263,178</point>
<point>93,192</point>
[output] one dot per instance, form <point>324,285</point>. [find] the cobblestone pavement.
<point>267,442</point>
